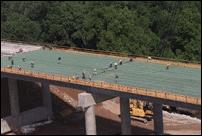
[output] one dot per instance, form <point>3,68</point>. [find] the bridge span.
<point>96,92</point>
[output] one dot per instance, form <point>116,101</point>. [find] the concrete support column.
<point>125,116</point>
<point>90,120</point>
<point>14,103</point>
<point>158,118</point>
<point>47,100</point>
<point>88,100</point>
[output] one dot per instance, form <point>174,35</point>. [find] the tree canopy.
<point>169,29</point>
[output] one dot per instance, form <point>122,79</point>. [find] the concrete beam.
<point>14,103</point>
<point>158,118</point>
<point>125,116</point>
<point>47,100</point>
<point>89,99</point>
<point>146,98</point>
<point>105,91</point>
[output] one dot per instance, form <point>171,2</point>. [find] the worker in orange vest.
<point>167,66</point>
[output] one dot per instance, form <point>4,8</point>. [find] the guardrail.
<point>102,51</point>
<point>109,86</point>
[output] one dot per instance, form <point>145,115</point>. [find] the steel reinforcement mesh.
<point>177,80</point>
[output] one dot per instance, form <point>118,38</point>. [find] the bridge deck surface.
<point>177,80</point>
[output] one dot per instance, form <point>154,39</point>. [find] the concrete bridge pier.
<point>90,120</point>
<point>125,116</point>
<point>14,103</point>
<point>47,99</point>
<point>88,100</point>
<point>158,118</point>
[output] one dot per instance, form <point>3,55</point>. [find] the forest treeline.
<point>170,29</point>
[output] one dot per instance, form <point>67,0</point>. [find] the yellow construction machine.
<point>140,110</point>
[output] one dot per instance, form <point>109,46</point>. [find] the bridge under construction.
<point>177,86</point>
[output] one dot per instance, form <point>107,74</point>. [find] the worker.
<point>32,64</point>
<point>83,73</point>
<point>19,67</point>
<point>43,47</point>
<point>105,69</point>
<point>50,47</point>
<point>69,79</point>
<point>120,62</point>
<point>12,62</point>
<point>73,77</point>
<point>9,66</point>
<point>23,59</point>
<point>89,79</point>
<point>77,77</point>
<point>94,71</point>
<point>20,50</point>
<point>110,64</point>
<point>9,57</point>
<point>115,65</point>
<point>148,58</point>
<point>59,60</point>
<point>167,66</point>
<point>131,59</point>
<point>117,78</point>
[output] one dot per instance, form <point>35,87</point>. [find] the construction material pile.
<point>14,48</point>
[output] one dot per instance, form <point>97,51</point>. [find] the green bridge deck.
<point>177,80</point>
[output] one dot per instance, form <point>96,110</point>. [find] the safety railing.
<point>109,86</point>
<point>102,51</point>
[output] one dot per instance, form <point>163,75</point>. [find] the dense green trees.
<point>157,28</point>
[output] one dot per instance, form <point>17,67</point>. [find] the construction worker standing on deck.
<point>131,59</point>
<point>32,64</point>
<point>167,66</point>
<point>23,59</point>
<point>77,77</point>
<point>89,79</point>
<point>117,78</point>
<point>12,62</point>
<point>110,64</point>
<point>94,71</point>
<point>83,73</point>
<point>148,58</point>
<point>115,65</point>
<point>59,60</point>
<point>120,62</point>
<point>9,57</point>
<point>69,79</point>
<point>73,77</point>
